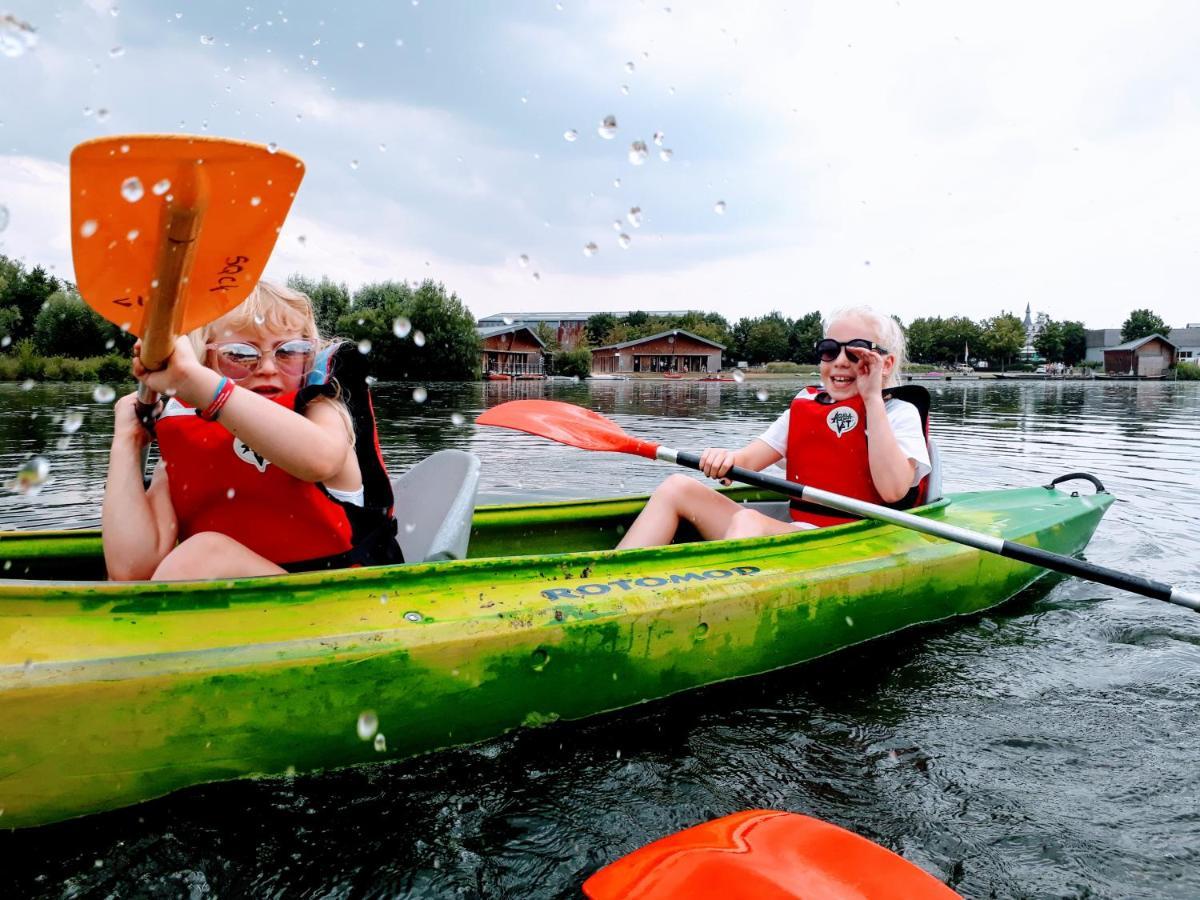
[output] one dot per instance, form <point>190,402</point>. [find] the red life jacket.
<point>220,484</point>
<point>827,449</point>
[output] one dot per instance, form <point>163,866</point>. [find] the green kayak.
<point>113,693</point>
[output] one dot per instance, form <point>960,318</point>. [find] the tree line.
<point>421,331</point>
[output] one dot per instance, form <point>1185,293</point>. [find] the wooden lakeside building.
<point>511,350</point>
<point>676,351</point>
<point>568,328</point>
<point>1148,357</point>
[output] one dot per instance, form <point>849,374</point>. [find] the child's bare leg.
<point>213,555</point>
<point>677,499</point>
<point>749,523</point>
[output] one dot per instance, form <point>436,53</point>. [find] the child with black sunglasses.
<point>854,435</point>
<point>270,463</point>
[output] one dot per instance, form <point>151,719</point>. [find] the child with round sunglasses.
<point>854,435</point>
<point>269,458</point>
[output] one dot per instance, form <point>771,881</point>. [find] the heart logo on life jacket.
<point>842,419</point>
<point>245,454</point>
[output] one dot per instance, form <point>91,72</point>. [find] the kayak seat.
<point>435,502</point>
<point>781,509</point>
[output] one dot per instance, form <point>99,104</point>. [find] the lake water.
<point>1050,749</point>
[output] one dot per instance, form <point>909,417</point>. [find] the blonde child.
<point>270,461</point>
<point>824,439</point>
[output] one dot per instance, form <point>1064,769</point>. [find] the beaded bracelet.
<point>224,391</point>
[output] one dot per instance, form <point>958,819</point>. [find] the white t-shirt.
<point>902,416</point>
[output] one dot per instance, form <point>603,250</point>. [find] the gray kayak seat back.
<point>781,509</point>
<point>435,501</point>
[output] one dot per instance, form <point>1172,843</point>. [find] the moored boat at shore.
<point>115,693</point>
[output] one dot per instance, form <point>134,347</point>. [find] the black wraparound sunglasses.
<point>828,349</point>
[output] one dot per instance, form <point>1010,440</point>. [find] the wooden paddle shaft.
<point>165,309</point>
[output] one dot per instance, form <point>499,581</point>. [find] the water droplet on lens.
<point>116,52</point>
<point>616,182</point>
<point>207,40</point>
<point>383,148</point>
<point>401,327</point>
<point>420,395</point>
<point>590,248</point>
<point>272,147</point>
<point>259,319</point>
<point>624,240</point>
<point>380,740</point>
<point>762,394</point>
<point>27,384</point>
<point>3,217</point>
<point>161,187</point>
<point>364,346</point>
<point>419,338</point>
<point>255,201</point>
<point>607,128</point>
<point>522,261</point>
<point>413,616</point>
<point>570,135</point>
<point>537,276</point>
<point>638,152</point>
<point>629,67</point>
<point>88,228</point>
<point>507,320</point>
<point>231,493</point>
<point>635,216</point>
<point>665,154</point>
<point>368,724</point>
<point>31,476</point>
<point>719,207</point>
<point>457,418</point>
<point>102,115</point>
<point>658,138</point>
<point>104,394</point>
<point>72,422</point>
<point>739,376</point>
<point>131,235</point>
<point>625,90</point>
<point>302,239</point>
<point>132,190</point>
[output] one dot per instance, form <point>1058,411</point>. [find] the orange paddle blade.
<point>567,424</point>
<point>126,190</point>
<point>768,856</point>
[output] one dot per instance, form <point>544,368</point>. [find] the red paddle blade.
<point>766,855</point>
<point>567,424</point>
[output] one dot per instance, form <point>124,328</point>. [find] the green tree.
<point>598,328</point>
<point>577,362</point>
<point>1074,343</point>
<point>767,338</point>
<point>65,326</point>
<point>27,293</point>
<point>448,346</point>
<point>330,300</point>
<point>1143,323</point>
<point>1050,341</point>
<point>636,319</point>
<point>548,336</point>
<point>803,336</point>
<point>922,335</point>
<point>1002,338</point>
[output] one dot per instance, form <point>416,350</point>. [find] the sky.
<point>926,158</point>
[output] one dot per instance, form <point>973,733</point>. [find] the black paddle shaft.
<point>1033,555</point>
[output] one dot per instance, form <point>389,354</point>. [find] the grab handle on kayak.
<point>1072,476</point>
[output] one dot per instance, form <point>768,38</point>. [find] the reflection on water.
<point>1046,750</point>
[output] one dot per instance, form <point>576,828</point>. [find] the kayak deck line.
<point>115,694</point>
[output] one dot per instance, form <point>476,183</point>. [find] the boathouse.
<point>668,351</point>
<point>568,328</point>
<point>1147,357</point>
<point>510,350</point>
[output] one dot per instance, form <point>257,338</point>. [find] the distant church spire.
<point>1028,318</point>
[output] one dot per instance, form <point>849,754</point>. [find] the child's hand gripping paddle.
<point>169,232</point>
